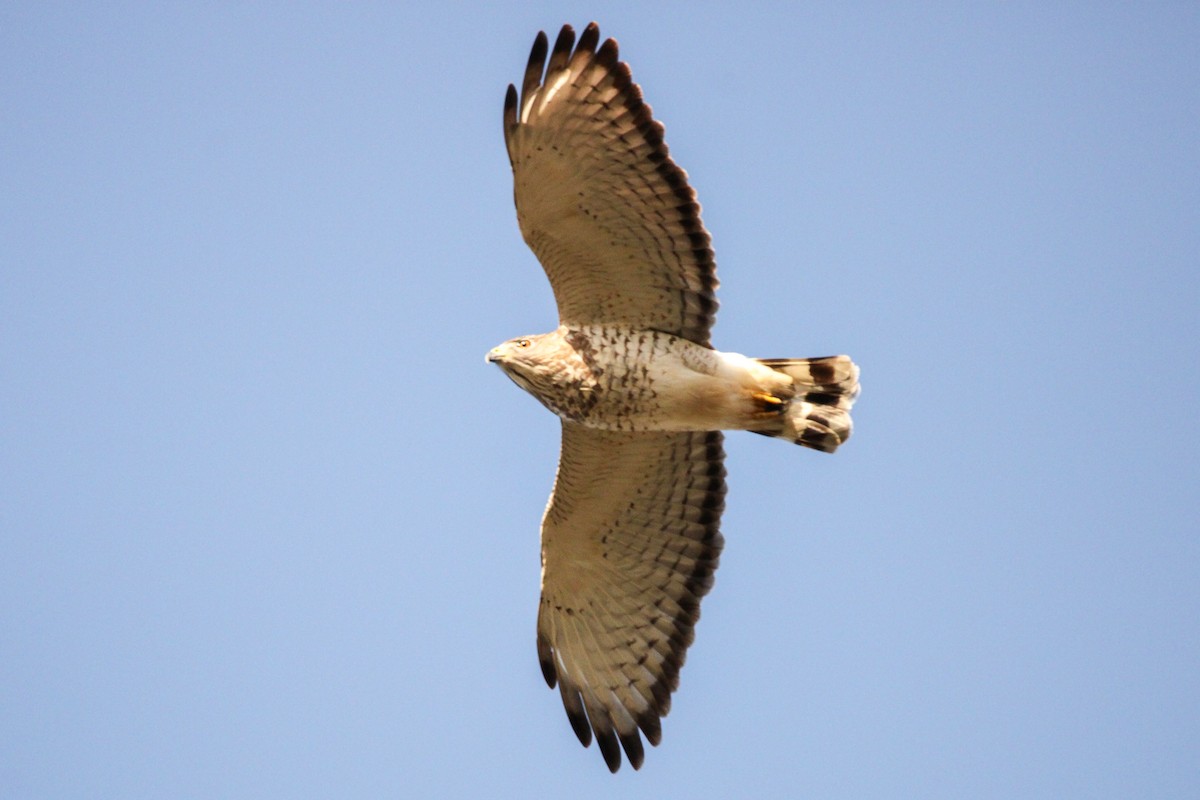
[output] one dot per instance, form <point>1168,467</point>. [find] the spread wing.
<point>600,202</point>
<point>630,542</point>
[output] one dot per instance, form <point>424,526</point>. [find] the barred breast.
<point>653,381</point>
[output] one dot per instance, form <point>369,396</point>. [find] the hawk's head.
<point>525,360</point>
<point>546,366</point>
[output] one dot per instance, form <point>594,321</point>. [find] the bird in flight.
<point>631,536</point>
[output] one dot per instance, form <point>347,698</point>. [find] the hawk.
<point>631,536</point>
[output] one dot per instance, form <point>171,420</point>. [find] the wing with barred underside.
<point>609,215</point>
<point>630,541</point>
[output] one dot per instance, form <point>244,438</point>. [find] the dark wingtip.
<point>579,724</point>
<point>573,704</point>
<point>546,661</point>
<point>607,741</point>
<point>608,54</point>
<point>651,726</point>
<point>510,110</point>
<point>633,749</point>
<point>589,38</point>
<point>562,46</point>
<point>537,62</point>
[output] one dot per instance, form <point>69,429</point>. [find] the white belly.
<point>656,382</point>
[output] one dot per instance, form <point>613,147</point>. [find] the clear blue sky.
<point>269,522</point>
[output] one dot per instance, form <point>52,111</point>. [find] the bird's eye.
<point>522,343</point>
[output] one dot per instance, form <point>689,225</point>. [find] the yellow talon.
<point>768,402</point>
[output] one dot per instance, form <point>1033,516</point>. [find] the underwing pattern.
<point>631,536</point>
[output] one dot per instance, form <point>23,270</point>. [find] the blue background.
<point>269,522</point>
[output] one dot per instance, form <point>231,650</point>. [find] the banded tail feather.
<point>818,415</point>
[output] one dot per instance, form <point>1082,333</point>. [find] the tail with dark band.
<point>818,415</point>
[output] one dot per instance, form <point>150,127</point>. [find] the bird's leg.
<point>767,405</point>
